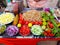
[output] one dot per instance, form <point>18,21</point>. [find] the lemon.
<point>44,20</point>
<point>19,25</point>
<point>44,23</point>
<point>30,25</point>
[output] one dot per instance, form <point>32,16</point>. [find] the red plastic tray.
<point>24,41</point>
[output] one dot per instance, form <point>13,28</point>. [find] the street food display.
<point>31,23</point>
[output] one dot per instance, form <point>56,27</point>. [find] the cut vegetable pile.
<point>47,25</point>
<point>6,18</point>
<point>32,22</point>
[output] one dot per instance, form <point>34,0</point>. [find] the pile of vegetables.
<point>2,28</point>
<point>6,18</point>
<point>33,22</point>
<point>48,26</point>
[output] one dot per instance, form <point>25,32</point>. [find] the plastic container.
<point>51,3</point>
<point>42,4</point>
<point>20,5</point>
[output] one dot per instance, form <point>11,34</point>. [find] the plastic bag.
<point>52,3</point>
<point>42,4</point>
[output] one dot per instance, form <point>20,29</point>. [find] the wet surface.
<point>47,43</point>
<point>2,44</point>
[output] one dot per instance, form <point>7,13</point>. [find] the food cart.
<point>25,26</point>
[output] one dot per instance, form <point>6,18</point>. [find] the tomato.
<point>45,33</point>
<point>23,27</point>
<point>48,31</point>
<point>20,22</point>
<point>20,15</point>
<point>23,22</point>
<point>40,22</point>
<point>21,18</point>
<point>32,23</point>
<point>37,23</point>
<point>24,30</point>
<point>26,22</point>
<point>51,34</point>
<point>51,25</point>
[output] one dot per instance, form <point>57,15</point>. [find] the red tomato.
<point>51,25</point>
<point>23,22</point>
<point>26,22</point>
<point>21,18</point>
<point>45,33</point>
<point>20,22</point>
<point>32,23</point>
<point>51,34</point>
<point>23,27</point>
<point>40,22</point>
<point>37,23</point>
<point>48,31</point>
<point>24,30</point>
